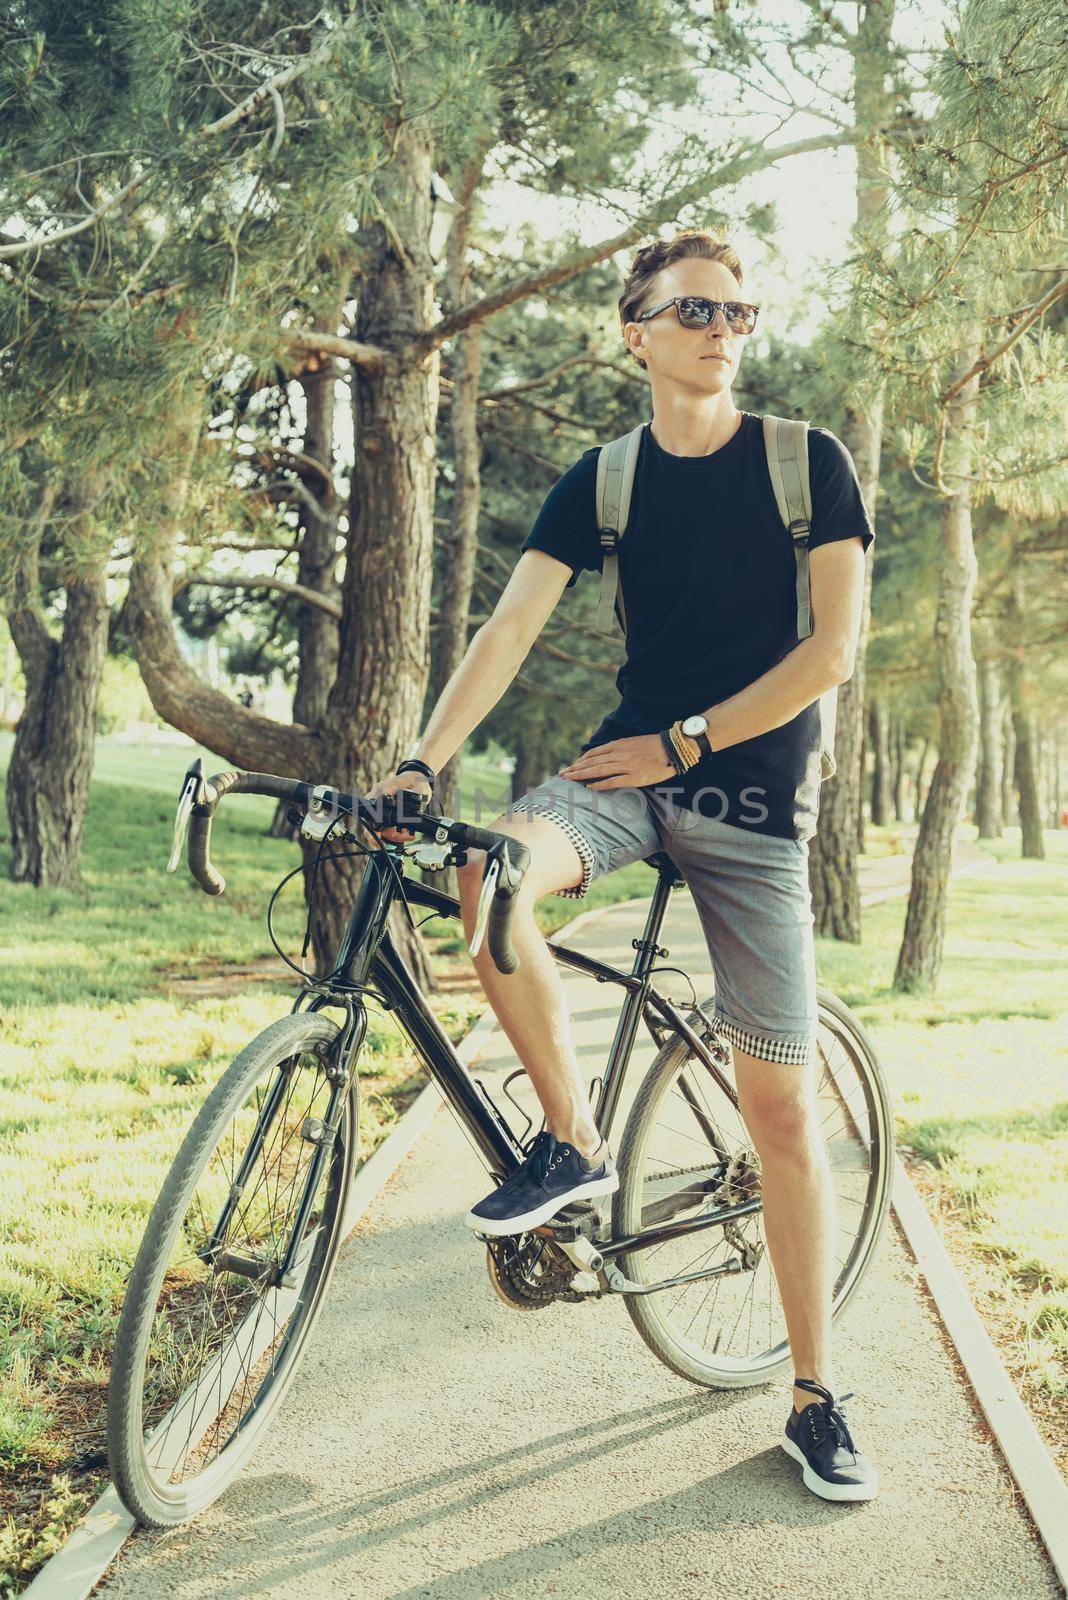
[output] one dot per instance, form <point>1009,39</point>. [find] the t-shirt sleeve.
<point>838,510</point>
<point>566,525</point>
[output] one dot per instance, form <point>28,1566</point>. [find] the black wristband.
<point>413,764</point>
<point>672,753</point>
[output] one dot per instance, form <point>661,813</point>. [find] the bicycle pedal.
<point>578,1221</point>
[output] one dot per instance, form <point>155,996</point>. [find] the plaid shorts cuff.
<point>791,1050</point>
<point>579,840</point>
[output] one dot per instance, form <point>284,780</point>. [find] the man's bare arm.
<point>494,654</point>
<point>816,664</point>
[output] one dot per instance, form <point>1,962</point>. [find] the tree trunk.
<point>317,632</point>
<point>833,865</point>
<point>900,747</point>
<point>920,956</point>
<point>861,813</point>
<point>376,702</point>
<point>529,766</point>
<point>52,757</point>
<point>1055,780</point>
<point>879,737</point>
<point>921,772</point>
<point>1025,771</point>
<point>988,775</point>
<point>1008,766</point>
<point>459,544</point>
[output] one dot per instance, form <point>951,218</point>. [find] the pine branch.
<point>256,580</point>
<point>665,210</point>
<point>21,247</point>
<point>314,342</point>
<point>984,361</point>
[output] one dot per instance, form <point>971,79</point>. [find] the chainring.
<point>527,1274</point>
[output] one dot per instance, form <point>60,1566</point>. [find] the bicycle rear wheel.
<point>685,1150</point>
<point>210,1335</point>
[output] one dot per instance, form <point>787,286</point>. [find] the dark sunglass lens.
<point>695,312</point>
<point>741,319</point>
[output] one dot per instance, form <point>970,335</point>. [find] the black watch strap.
<point>701,741</point>
<point>413,764</point>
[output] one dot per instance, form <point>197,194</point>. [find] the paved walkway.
<point>437,1444</point>
<point>889,877</point>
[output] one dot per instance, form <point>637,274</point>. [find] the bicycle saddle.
<point>665,866</point>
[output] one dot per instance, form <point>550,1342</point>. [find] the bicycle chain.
<point>511,1273</point>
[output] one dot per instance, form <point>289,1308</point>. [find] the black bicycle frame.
<point>368,956</point>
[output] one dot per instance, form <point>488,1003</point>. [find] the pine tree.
<point>243,170</point>
<point>985,204</point>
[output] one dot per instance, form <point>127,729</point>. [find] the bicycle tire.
<point>146,1500</point>
<point>627,1207</point>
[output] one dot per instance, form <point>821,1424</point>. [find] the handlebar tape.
<point>513,858</point>
<point>200,866</point>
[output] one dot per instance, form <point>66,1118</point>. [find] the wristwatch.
<point>696,728</point>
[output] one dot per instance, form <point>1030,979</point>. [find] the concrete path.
<point>437,1444</point>
<point>890,877</point>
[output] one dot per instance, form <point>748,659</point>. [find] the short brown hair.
<point>653,258</point>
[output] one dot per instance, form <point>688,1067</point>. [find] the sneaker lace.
<point>826,1418</point>
<point>540,1154</point>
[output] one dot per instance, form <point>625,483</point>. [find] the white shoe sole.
<point>503,1227</point>
<point>825,1490</point>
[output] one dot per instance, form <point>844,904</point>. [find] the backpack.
<point>786,441</point>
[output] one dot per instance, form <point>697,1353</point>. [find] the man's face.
<point>688,356</point>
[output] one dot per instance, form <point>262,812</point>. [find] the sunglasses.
<point>694,311</point>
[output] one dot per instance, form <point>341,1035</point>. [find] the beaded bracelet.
<point>686,755</point>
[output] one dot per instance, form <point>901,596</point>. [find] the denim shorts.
<point>751,891</point>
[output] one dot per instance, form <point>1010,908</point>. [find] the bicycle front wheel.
<point>685,1150</point>
<point>212,1329</point>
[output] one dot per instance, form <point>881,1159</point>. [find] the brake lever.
<point>181,817</point>
<point>485,900</point>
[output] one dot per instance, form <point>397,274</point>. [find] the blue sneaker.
<point>552,1176</point>
<point>819,1439</point>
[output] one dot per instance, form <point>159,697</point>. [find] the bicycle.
<point>240,1246</point>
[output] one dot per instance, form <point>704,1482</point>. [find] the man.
<point>708,579</point>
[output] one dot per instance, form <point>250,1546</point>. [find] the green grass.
<point>977,1071</point>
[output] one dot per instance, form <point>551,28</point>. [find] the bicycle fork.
<point>319,1131</point>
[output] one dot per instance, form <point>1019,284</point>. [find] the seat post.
<point>645,955</point>
<point>667,876</point>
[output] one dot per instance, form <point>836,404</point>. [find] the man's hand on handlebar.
<point>507,859</point>
<point>411,782</point>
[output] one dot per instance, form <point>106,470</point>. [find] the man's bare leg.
<point>779,1106</point>
<point>530,1003</point>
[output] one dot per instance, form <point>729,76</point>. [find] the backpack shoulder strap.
<point>615,479</point>
<point>786,441</point>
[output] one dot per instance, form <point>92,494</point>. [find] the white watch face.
<point>692,726</point>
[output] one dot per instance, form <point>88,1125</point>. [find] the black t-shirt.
<point>710,592</point>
